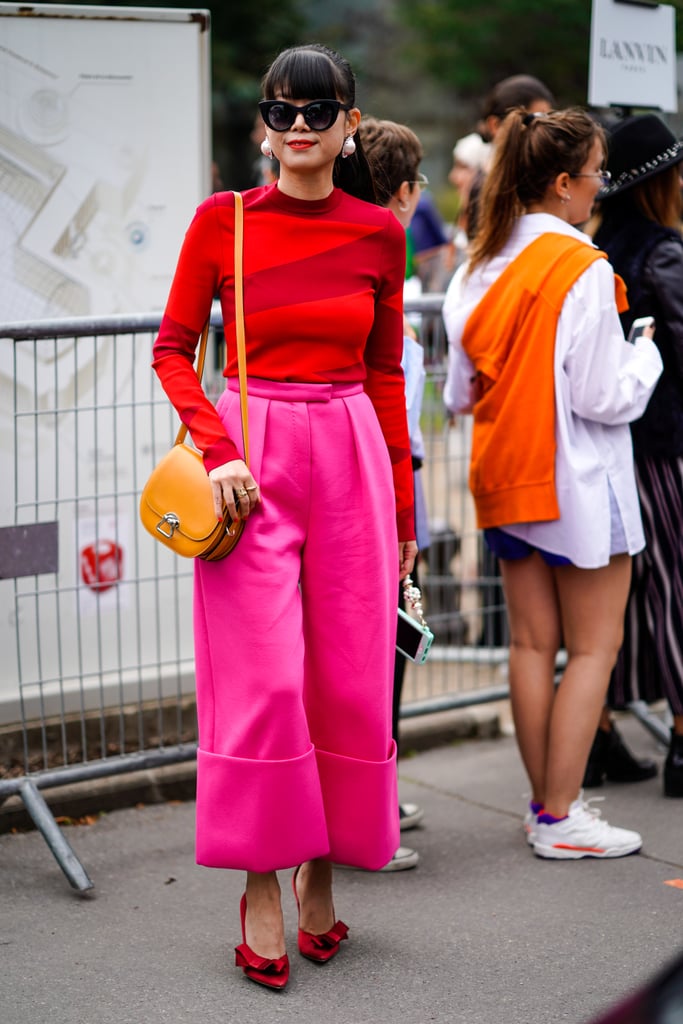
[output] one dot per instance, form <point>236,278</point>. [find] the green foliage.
<point>470,48</point>
<point>246,37</point>
<point>424,62</point>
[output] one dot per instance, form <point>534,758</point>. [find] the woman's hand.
<point>407,553</point>
<point>235,488</point>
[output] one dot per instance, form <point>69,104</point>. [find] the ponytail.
<point>530,151</point>
<point>499,205</point>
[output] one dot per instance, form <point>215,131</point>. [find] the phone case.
<point>637,328</point>
<point>413,638</point>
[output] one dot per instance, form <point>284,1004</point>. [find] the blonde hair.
<point>531,151</point>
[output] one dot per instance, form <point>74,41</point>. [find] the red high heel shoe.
<point>271,973</point>
<point>319,948</point>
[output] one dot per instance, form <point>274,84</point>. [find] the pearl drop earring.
<point>266,150</point>
<point>349,147</point>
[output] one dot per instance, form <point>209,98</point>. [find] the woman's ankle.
<point>264,926</point>
<point>316,875</point>
<point>313,884</point>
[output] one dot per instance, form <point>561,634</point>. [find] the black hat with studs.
<point>638,148</point>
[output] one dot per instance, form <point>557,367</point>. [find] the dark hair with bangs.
<point>315,72</point>
<point>310,73</point>
<point>530,151</point>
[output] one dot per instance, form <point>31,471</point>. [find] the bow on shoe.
<point>245,957</point>
<point>272,973</point>
<point>321,948</point>
<point>261,969</point>
<point>330,939</point>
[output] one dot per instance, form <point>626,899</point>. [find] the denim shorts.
<point>504,545</point>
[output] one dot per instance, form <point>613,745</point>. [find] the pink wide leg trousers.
<point>294,642</point>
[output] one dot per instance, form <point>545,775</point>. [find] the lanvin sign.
<point>633,55</point>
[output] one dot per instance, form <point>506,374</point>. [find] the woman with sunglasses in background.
<point>295,631</point>
<point>538,354</point>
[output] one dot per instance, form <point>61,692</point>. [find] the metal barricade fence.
<point>95,623</point>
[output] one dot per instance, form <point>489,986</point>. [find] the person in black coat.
<point>640,230</point>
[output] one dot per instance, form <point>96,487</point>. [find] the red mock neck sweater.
<point>323,296</point>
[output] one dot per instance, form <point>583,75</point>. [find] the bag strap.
<point>239,332</point>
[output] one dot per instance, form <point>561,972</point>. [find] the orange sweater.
<point>510,339</point>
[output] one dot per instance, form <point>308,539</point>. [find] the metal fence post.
<point>43,820</point>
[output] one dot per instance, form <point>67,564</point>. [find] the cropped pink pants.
<point>294,642</point>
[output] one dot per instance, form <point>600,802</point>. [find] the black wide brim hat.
<point>638,148</point>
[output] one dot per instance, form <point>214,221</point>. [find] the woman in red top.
<point>295,631</point>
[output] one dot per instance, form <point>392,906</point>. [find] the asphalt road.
<point>481,932</point>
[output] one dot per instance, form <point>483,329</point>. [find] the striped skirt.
<point>650,663</point>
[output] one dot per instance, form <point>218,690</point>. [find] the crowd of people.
<point>566,233</point>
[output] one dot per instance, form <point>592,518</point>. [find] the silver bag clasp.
<point>168,524</point>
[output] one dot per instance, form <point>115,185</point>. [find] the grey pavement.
<point>481,932</point>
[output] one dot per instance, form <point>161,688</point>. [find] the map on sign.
<point>102,161</point>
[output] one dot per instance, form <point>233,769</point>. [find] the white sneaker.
<point>410,815</point>
<point>583,834</point>
<point>402,860</point>
<point>530,823</point>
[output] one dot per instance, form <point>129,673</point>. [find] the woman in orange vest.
<point>538,354</point>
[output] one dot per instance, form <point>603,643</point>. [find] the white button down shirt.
<point>602,383</point>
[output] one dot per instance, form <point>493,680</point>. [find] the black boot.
<point>595,768</point>
<point>622,766</point>
<point>610,758</point>
<point>673,767</point>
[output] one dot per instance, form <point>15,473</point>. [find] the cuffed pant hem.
<point>361,808</point>
<point>255,815</point>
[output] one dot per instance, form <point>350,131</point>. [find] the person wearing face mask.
<point>295,631</point>
<point>538,354</point>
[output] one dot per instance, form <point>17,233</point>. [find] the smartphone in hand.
<point>412,638</point>
<point>638,326</point>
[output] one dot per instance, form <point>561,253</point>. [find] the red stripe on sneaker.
<point>585,849</point>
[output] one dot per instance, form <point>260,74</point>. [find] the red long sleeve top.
<point>323,298</point>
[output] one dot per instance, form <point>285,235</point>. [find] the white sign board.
<point>104,155</point>
<point>633,56</point>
